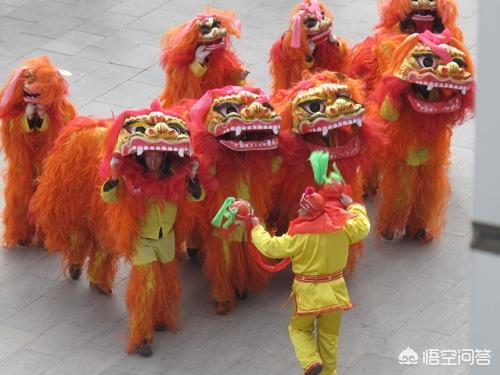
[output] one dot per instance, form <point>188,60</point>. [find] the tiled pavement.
<point>407,294</point>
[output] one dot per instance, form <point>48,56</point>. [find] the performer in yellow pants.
<point>318,244</point>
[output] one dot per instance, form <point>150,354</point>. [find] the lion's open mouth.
<point>140,145</point>
<point>339,137</point>
<point>432,95</point>
<point>255,135</point>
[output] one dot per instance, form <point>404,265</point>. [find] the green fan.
<point>319,163</point>
<point>226,215</point>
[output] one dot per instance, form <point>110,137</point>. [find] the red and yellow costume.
<point>146,216</point>
<point>319,289</point>
<point>310,28</point>
<point>187,77</point>
<point>427,90</point>
<point>33,109</point>
<point>323,112</point>
<point>371,57</point>
<point>235,135</point>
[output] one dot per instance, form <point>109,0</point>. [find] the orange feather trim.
<point>223,66</point>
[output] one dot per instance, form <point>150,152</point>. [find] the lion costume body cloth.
<point>137,214</point>
<point>235,135</point>
<point>371,57</point>
<point>427,90</point>
<point>33,109</point>
<point>188,78</point>
<point>311,22</point>
<point>325,111</point>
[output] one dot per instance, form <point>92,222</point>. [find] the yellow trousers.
<point>319,348</point>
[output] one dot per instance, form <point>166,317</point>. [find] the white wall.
<point>485,304</point>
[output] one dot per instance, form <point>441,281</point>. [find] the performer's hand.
<point>345,200</point>
<point>114,164</point>
<point>244,74</point>
<point>195,164</point>
<point>40,110</point>
<point>201,54</point>
<point>332,38</point>
<point>255,221</point>
<point>30,110</point>
<point>311,46</point>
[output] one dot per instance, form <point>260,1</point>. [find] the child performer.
<point>318,243</point>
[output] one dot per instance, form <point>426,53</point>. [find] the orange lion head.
<point>212,28</point>
<point>419,15</point>
<point>136,132</point>
<point>434,73</point>
<point>239,118</point>
<point>310,20</point>
<point>37,81</point>
<point>326,110</point>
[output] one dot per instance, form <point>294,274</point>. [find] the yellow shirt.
<point>316,255</point>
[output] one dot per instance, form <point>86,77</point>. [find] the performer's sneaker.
<point>192,254</point>
<point>222,307</point>
<point>144,350</point>
<point>314,369</point>
<point>100,289</point>
<point>75,271</point>
<point>160,327</point>
<point>241,294</point>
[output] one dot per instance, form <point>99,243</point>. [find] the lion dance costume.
<point>427,90</point>
<point>197,56</point>
<point>308,44</point>
<point>371,57</point>
<point>33,109</point>
<point>319,290</point>
<point>235,135</point>
<point>325,112</point>
<point>143,218</point>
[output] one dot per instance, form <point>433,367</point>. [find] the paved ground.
<point>406,294</point>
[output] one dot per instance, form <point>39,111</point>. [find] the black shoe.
<point>75,271</point>
<point>144,350</point>
<point>192,254</point>
<point>160,327</point>
<point>100,289</point>
<point>388,236</point>
<point>241,295</point>
<point>314,369</point>
<point>222,307</point>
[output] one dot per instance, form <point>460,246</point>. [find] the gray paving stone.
<point>85,361</point>
<point>26,361</point>
<point>13,339</point>
<point>105,23</point>
<point>63,340</point>
<point>72,42</point>
<point>121,95</point>
<point>371,364</point>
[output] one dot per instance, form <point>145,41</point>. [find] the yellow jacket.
<point>155,219</point>
<point>322,255</point>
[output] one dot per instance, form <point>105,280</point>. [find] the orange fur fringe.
<point>287,64</point>
<point>224,67</point>
<point>25,152</point>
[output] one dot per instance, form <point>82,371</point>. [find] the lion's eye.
<point>136,129</point>
<point>179,129</point>
<point>310,22</point>
<point>205,29</point>
<point>314,106</point>
<point>461,63</point>
<point>427,61</point>
<point>226,109</point>
<point>268,106</point>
